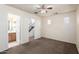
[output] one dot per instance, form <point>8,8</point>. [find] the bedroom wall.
<point>3,29</point>
<point>62,27</point>
<point>77,28</point>
<point>22,30</point>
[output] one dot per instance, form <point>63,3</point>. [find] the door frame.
<point>17,28</point>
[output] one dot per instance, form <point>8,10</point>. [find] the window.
<point>49,22</point>
<point>66,20</point>
<point>32,20</point>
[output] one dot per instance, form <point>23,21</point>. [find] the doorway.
<point>12,30</point>
<point>31,29</point>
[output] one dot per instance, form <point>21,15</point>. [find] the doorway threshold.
<point>12,44</point>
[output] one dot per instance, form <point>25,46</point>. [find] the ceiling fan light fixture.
<point>43,11</point>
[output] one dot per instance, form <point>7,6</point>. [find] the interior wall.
<point>62,27</point>
<point>23,29</point>
<point>37,29</point>
<point>3,29</point>
<point>77,28</point>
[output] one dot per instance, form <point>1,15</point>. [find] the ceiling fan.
<point>43,8</point>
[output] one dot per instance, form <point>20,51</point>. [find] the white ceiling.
<point>60,8</point>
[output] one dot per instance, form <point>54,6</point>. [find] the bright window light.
<point>66,20</point>
<point>33,21</point>
<point>49,21</point>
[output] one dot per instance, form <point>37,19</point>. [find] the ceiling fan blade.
<point>36,12</point>
<point>49,8</point>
